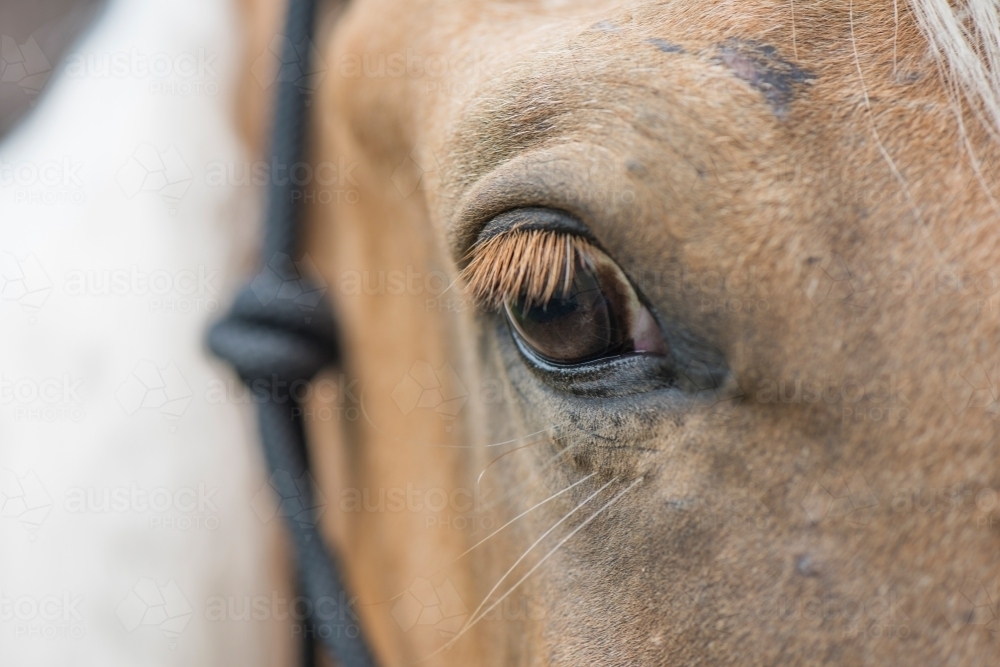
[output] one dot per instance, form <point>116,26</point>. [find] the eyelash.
<point>529,264</point>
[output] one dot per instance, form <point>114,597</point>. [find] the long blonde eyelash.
<point>529,264</point>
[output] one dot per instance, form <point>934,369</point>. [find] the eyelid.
<point>534,219</point>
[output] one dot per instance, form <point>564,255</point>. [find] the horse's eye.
<point>567,302</point>
<point>596,314</point>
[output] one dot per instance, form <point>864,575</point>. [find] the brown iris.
<point>596,315</point>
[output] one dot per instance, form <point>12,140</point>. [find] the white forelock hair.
<point>964,38</point>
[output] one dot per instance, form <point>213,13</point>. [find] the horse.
<point>670,329</point>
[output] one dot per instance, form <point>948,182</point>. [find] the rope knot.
<point>280,327</point>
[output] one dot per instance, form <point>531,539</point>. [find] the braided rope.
<point>281,330</point>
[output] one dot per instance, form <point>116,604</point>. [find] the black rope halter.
<point>276,333</point>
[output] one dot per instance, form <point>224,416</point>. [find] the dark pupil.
<point>574,326</point>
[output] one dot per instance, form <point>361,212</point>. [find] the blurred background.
<point>137,526</point>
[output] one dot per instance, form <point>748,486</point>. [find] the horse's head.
<point>682,316</point>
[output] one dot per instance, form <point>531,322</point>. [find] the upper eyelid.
<point>532,219</point>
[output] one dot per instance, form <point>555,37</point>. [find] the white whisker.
<point>540,441</point>
<point>528,551</point>
<point>534,476</point>
<point>795,45</point>
<point>921,224</point>
<point>530,509</point>
<point>476,618</point>
<point>501,444</point>
<point>895,39</point>
<point>480,542</point>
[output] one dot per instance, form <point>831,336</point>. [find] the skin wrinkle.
<point>845,312</point>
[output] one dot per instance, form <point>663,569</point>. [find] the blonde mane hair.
<point>964,38</point>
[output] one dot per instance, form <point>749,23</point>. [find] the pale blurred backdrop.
<point>137,527</point>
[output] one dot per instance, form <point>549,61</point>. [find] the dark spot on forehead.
<point>665,46</point>
<point>762,67</point>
